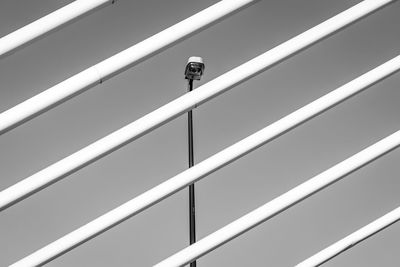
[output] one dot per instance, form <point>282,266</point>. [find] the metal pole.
<point>120,62</point>
<point>49,23</point>
<point>193,71</point>
<point>207,166</point>
<point>219,85</point>
<point>192,206</point>
<point>283,202</point>
<point>351,240</point>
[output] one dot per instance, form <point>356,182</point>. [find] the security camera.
<point>194,68</point>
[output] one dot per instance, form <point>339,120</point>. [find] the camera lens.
<point>193,69</point>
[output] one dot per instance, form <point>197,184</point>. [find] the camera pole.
<point>192,207</point>
<point>193,71</point>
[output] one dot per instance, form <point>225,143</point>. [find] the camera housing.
<point>194,68</point>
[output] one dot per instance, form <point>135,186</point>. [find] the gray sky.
<point>230,192</point>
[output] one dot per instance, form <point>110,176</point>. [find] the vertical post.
<point>193,71</point>
<point>192,207</point>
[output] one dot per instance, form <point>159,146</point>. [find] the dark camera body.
<point>194,68</point>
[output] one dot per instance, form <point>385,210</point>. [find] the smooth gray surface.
<point>230,192</point>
